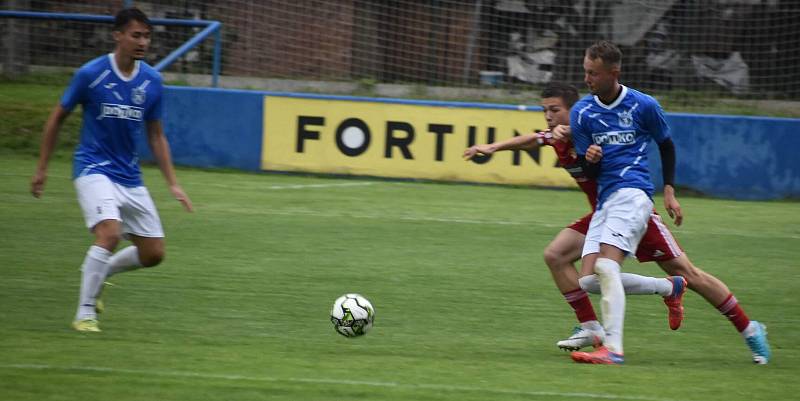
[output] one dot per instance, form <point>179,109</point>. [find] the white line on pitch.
<point>292,186</point>
<point>439,387</point>
<point>457,220</point>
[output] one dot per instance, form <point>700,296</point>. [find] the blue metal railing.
<point>211,27</point>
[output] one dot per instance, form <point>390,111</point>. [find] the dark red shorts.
<point>657,245</point>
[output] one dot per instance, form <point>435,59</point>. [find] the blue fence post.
<point>210,27</point>
<point>215,66</point>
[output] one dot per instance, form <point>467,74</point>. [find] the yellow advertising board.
<point>402,140</point>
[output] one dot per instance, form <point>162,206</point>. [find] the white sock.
<point>750,330</point>
<point>125,260</point>
<point>613,302</point>
<point>592,325</point>
<point>93,272</point>
<point>634,284</point>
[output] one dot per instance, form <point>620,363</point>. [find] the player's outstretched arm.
<point>49,137</point>
<point>522,142</point>
<point>160,148</point>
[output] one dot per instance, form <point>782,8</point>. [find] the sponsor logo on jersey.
<point>122,111</point>
<point>615,138</point>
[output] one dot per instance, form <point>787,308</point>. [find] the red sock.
<point>731,309</point>
<point>580,302</point>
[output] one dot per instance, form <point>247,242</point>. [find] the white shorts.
<point>622,222</point>
<point>101,199</point>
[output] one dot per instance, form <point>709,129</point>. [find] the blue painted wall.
<point>214,127</point>
<point>735,156</point>
<point>723,156</point>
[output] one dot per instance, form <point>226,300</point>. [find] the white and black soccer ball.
<point>352,315</point>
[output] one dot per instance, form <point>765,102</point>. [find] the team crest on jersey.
<point>625,118</point>
<point>138,96</point>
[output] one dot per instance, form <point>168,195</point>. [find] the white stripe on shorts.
<point>666,234</point>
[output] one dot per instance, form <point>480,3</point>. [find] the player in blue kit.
<point>612,129</point>
<point>121,98</point>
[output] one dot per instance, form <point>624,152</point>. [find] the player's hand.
<point>672,206</point>
<point>181,196</point>
<point>562,133</point>
<point>594,154</point>
<point>37,183</point>
<point>477,150</point>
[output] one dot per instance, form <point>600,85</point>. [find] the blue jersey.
<point>624,130</point>
<point>115,109</point>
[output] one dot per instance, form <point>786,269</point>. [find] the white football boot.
<point>583,337</point>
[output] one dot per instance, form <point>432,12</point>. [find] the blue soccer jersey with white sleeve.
<point>115,110</point>
<point>624,129</point>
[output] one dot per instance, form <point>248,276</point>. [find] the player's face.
<point>134,40</point>
<point>599,77</point>
<point>555,112</point>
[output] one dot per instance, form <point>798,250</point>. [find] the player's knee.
<point>606,266</point>
<point>683,267</point>
<point>692,274</point>
<point>151,257</point>
<point>696,278</point>
<point>151,251</point>
<point>107,234</point>
<point>554,258</point>
<point>108,240</point>
<point>152,260</point>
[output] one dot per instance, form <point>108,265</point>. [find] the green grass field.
<point>466,309</point>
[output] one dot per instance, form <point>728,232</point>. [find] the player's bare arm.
<point>522,142</point>
<point>49,137</point>
<point>671,205</point>
<point>673,208</point>
<point>160,148</point>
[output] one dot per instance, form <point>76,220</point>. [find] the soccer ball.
<point>352,315</point>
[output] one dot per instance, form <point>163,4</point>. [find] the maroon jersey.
<point>568,159</point>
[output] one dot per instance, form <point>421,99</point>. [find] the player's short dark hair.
<point>125,16</point>
<point>567,92</point>
<point>606,51</point>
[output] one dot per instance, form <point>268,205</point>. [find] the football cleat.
<point>86,325</point>
<point>99,305</point>
<point>582,337</point>
<point>674,301</point>
<point>602,356</point>
<point>758,344</point>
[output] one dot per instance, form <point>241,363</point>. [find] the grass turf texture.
<point>465,307</point>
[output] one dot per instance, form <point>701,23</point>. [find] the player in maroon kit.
<point>657,244</point>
